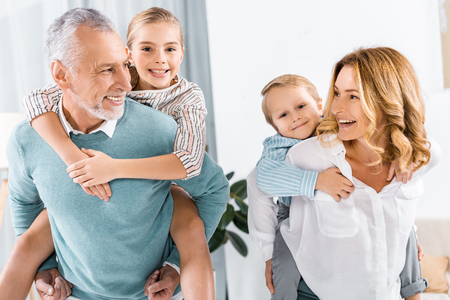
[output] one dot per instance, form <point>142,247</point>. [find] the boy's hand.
<point>268,274</point>
<point>335,184</point>
<point>96,170</point>
<point>161,284</point>
<point>401,177</point>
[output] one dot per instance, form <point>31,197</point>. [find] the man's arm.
<point>25,202</point>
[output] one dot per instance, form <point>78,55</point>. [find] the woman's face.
<point>346,106</point>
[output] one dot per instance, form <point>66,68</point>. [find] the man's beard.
<point>116,112</point>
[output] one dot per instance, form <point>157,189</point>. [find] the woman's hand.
<point>335,184</point>
<point>96,170</point>
<point>268,274</point>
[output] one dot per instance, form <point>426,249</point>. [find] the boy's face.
<point>294,112</point>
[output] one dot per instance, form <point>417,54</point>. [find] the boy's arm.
<point>279,178</point>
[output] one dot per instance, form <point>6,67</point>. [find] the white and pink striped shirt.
<point>183,101</point>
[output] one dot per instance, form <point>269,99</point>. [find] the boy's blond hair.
<point>288,80</point>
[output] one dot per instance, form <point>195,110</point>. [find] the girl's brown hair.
<point>152,15</point>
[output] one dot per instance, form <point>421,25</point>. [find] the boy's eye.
<point>283,115</point>
<point>301,106</point>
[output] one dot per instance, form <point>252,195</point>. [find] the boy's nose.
<point>296,118</point>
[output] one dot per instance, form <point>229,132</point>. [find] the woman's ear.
<point>59,74</point>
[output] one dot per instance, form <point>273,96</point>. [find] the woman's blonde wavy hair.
<point>152,15</point>
<point>387,85</point>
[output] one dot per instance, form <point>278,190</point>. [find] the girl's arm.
<point>185,162</point>
<point>31,249</point>
<point>39,106</point>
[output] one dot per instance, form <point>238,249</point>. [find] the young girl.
<point>155,47</point>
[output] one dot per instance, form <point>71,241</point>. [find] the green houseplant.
<point>236,214</point>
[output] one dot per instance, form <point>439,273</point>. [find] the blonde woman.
<point>356,248</point>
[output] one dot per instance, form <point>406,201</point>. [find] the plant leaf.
<point>229,175</point>
<point>240,220</point>
<point>238,190</point>
<point>227,217</point>
<point>237,242</point>
<point>216,240</point>
<point>242,206</point>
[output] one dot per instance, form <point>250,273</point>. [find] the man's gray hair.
<point>60,42</point>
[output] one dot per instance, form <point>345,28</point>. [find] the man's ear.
<point>59,74</point>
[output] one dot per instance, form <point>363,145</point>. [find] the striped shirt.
<point>183,101</point>
<point>278,178</point>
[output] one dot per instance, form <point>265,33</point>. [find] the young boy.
<point>292,106</point>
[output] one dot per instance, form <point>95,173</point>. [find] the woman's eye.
<point>336,94</point>
<point>353,97</point>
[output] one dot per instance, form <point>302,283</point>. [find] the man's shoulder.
<point>145,116</point>
<point>22,132</point>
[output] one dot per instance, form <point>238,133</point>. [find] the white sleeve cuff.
<point>177,268</point>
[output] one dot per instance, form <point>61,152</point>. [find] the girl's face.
<point>346,107</point>
<point>157,54</point>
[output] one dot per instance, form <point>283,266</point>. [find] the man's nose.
<point>122,80</point>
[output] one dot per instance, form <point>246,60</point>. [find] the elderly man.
<point>106,249</point>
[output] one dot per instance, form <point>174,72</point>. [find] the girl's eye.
<point>283,115</point>
<point>171,49</point>
<point>146,49</point>
<point>301,106</point>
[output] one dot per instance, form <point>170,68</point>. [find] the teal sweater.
<point>108,249</point>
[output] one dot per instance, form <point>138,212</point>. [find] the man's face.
<point>100,79</point>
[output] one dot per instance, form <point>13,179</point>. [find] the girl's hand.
<point>401,177</point>
<point>335,184</point>
<point>96,170</point>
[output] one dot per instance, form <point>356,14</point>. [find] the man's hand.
<point>51,285</point>
<point>335,184</point>
<point>268,274</point>
<point>161,284</point>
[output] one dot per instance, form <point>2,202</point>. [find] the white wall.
<point>251,42</point>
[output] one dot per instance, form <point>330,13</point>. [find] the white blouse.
<point>352,249</point>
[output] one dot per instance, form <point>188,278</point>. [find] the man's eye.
<point>108,70</point>
<point>126,65</point>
